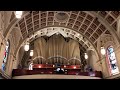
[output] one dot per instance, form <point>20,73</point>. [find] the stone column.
<point>92,61</point>
<point>2,49</point>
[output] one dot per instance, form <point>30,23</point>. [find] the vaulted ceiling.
<point>80,21</point>
<point>86,23</point>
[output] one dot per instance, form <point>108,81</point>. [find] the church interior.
<point>59,45</point>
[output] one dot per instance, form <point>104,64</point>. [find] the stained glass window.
<point>5,56</point>
<point>112,63</point>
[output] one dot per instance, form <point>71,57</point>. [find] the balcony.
<point>52,72</point>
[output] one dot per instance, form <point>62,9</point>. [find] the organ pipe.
<point>56,46</point>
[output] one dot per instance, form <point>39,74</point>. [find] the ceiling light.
<point>18,14</point>
<point>86,56</point>
<point>103,51</point>
<point>31,52</point>
<point>26,47</point>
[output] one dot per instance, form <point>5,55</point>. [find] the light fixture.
<point>18,14</point>
<point>31,52</point>
<point>103,51</point>
<point>64,66</point>
<point>53,65</point>
<point>74,67</point>
<point>86,56</point>
<point>78,34</point>
<point>26,47</point>
<point>39,66</point>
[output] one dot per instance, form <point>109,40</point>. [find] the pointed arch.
<point>111,61</point>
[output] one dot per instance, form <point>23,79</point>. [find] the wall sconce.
<point>18,14</point>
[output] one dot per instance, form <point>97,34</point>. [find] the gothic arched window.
<point>112,62</point>
<point>5,56</point>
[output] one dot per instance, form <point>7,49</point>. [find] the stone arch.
<point>22,43</point>
<point>115,47</point>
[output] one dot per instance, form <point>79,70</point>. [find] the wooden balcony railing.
<point>19,72</point>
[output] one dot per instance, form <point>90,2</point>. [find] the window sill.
<point>113,76</point>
